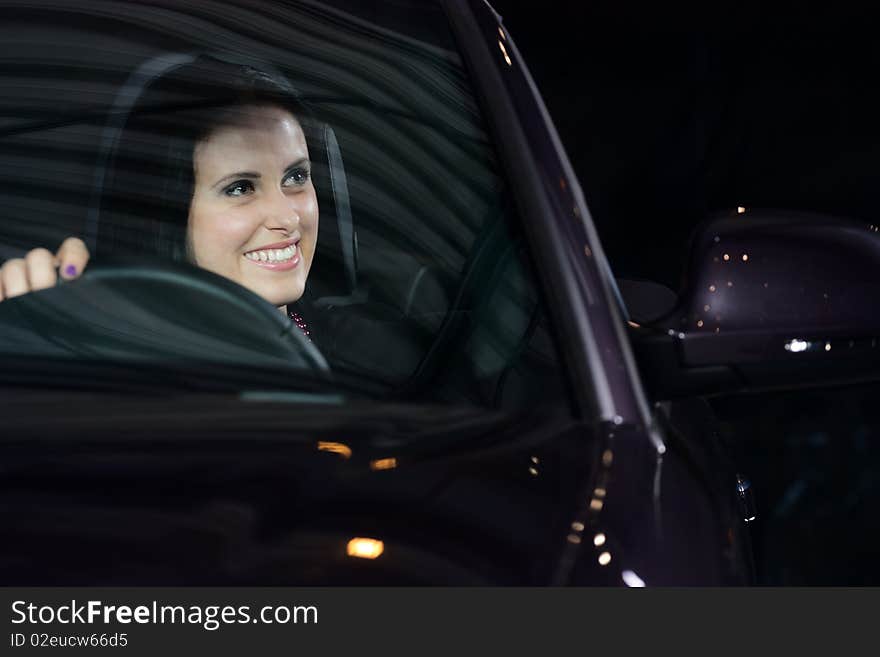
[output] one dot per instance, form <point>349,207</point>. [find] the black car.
<point>478,400</point>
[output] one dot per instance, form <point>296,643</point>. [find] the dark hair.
<point>147,186</point>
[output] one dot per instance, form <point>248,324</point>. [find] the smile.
<point>278,259</point>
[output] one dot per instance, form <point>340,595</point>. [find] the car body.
<point>126,470</point>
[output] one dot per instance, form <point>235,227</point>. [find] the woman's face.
<point>254,213</point>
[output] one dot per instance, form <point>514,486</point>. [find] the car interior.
<point>422,285</point>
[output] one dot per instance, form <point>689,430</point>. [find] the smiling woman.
<point>330,163</point>
<point>229,157</point>
<point>221,179</point>
<point>257,225</point>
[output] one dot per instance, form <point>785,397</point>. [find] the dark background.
<point>669,115</point>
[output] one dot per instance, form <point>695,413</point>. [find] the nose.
<point>280,213</point>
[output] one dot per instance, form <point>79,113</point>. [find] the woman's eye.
<point>297,177</point>
<point>239,188</point>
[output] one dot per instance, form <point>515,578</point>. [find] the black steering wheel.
<point>157,311</point>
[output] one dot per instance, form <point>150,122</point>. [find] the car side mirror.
<point>771,299</point>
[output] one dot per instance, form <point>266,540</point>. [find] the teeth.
<point>272,255</point>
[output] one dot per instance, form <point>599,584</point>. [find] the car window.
<point>421,286</point>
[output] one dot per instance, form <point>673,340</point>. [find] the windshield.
<point>307,188</point>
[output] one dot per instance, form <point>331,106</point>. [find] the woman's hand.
<point>40,269</point>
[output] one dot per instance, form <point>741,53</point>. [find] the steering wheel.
<point>158,311</point>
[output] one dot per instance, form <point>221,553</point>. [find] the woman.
<point>211,166</point>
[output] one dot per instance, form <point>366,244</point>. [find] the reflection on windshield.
<point>330,163</point>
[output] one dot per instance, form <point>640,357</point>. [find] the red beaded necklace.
<point>301,323</point>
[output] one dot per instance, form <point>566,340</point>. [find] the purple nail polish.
<point>70,270</point>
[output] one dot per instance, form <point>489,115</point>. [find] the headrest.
<point>334,272</point>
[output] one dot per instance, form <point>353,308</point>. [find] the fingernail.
<point>70,270</point>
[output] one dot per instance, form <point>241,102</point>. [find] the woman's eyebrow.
<point>299,162</point>
<point>238,174</point>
